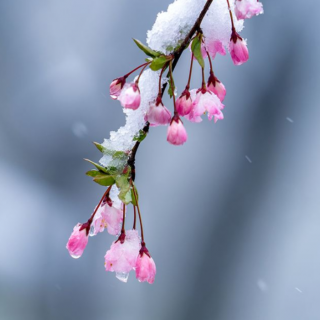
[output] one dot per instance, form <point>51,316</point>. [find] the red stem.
<point>140,219</point>
<point>160,77</point>
<point>210,62</point>
<point>141,73</point>
<point>135,217</point>
<point>124,219</point>
<point>190,72</point>
<point>128,74</point>
<point>172,87</point>
<point>231,17</point>
<point>98,206</point>
<point>203,80</point>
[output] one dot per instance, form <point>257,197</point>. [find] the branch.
<point>176,54</point>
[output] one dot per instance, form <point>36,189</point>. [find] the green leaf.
<point>140,136</point>
<point>100,147</point>
<point>159,62</point>
<point>98,166</point>
<point>122,182</point>
<point>146,50</point>
<point>170,87</point>
<point>104,180</point>
<point>93,173</point>
<point>135,199</point>
<point>119,155</point>
<point>196,49</point>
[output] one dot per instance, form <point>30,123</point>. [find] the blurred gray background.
<point>231,218</point>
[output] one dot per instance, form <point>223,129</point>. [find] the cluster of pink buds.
<point>127,253</point>
<point>191,104</point>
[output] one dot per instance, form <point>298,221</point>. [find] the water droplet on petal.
<point>75,256</point>
<point>91,232</point>
<point>122,276</point>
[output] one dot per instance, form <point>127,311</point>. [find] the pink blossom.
<point>177,134</point>
<point>215,47</point>
<point>122,257</point>
<point>145,266</point>
<point>246,9</point>
<point>130,96</point>
<point>207,101</point>
<point>192,116</point>
<point>78,240</point>
<point>158,114</point>
<point>184,103</point>
<point>116,87</point>
<point>217,87</point>
<point>108,216</point>
<point>238,49</point>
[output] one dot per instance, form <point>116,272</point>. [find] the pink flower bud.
<point>145,266</point>
<point>246,9</point>
<point>177,134</point>
<point>215,86</point>
<point>158,114</point>
<point>184,103</point>
<point>77,241</point>
<point>122,257</point>
<point>238,49</point>
<point>116,87</point>
<point>130,96</point>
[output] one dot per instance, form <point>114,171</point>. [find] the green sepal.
<point>159,62</point>
<point>100,147</point>
<point>122,182</point>
<point>98,166</point>
<point>140,136</point>
<point>146,50</point>
<point>196,49</point>
<point>135,200</point>
<point>104,180</point>
<point>93,173</point>
<point>171,85</point>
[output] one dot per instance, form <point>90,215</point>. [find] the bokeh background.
<point>231,218</point>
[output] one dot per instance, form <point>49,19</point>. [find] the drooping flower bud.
<point>184,103</point>
<point>122,256</point>
<point>116,87</point>
<point>246,9</point>
<point>158,114</point>
<point>177,134</point>
<point>78,240</point>
<point>238,49</point>
<point>216,86</point>
<point>130,97</point>
<point>145,266</point>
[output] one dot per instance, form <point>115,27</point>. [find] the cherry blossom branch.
<point>176,56</point>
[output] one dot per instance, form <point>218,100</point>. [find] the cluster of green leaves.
<point>158,59</point>
<point>118,172</point>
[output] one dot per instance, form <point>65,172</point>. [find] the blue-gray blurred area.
<point>232,218</point>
